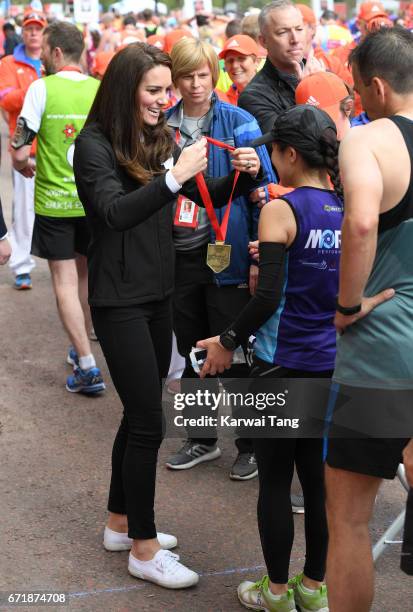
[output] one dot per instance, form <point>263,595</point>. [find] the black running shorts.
<point>58,238</point>
<point>365,428</point>
<point>378,457</point>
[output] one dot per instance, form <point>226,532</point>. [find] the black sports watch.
<point>228,340</point>
<point>348,311</point>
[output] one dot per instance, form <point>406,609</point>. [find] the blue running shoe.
<point>85,381</point>
<point>23,281</point>
<point>72,357</point>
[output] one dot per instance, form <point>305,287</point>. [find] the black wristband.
<point>348,311</point>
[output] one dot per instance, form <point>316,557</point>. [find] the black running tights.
<point>276,458</point>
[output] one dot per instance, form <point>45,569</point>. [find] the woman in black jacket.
<point>128,171</point>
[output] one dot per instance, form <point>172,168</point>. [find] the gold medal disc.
<point>218,256</point>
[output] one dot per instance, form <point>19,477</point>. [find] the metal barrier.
<point>396,526</point>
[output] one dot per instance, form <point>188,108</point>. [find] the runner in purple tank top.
<point>291,315</point>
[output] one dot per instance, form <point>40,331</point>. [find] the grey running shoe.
<point>191,454</point>
<point>297,503</point>
<point>245,467</point>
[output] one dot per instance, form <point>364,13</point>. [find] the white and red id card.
<point>186,214</point>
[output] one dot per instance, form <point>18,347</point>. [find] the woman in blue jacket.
<point>204,302</point>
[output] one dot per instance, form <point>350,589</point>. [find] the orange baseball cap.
<point>368,10</point>
<point>324,90</point>
<point>34,18</point>
<point>156,41</point>
<point>242,44</point>
<point>307,13</point>
<point>173,37</point>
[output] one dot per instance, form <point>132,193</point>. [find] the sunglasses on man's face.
<point>32,16</point>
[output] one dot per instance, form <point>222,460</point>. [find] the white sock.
<point>307,590</point>
<point>86,362</point>
<point>273,596</point>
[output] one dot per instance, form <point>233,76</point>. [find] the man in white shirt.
<point>55,109</point>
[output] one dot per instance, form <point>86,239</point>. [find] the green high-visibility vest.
<point>67,105</point>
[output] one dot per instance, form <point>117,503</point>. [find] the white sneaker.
<point>297,503</point>
<point>115,541</point>
<point>164,569</point>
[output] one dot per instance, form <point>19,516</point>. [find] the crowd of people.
<point>232,182</point>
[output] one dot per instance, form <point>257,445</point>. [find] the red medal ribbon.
<point>220,230</point>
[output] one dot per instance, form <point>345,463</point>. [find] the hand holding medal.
<point>245,159</point>
<point>192,160</point>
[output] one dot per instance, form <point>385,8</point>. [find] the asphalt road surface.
<point>55,458</point>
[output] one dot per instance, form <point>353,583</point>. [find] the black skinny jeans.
<point>276,458</point>
<point>136,342</point>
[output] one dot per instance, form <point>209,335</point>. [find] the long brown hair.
<point>141,149</point>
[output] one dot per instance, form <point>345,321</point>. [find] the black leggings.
<point>136,342</point>
<point>276,459</point>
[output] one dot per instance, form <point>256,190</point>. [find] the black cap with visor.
<point>300,126</point>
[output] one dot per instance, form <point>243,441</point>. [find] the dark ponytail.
<point>329,150</point>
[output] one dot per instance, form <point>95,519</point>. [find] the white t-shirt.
<point>35,99</point>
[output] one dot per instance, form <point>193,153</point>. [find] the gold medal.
<point>218,256</point>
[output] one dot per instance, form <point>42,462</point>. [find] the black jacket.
<point>268,94</point>
<point>131,253</point>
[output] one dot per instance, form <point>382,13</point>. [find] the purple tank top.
<point>301,335</point>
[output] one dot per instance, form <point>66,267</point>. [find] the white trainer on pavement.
<point>115,541</point>
<point>297,503</point>
<point>164,569</point>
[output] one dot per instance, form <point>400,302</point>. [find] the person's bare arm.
<point>408,461</point>
<point>22,162</point>
<point>5,251</point>
<point>363,192</point>
<point>24,135</point>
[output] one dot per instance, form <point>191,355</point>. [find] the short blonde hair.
<point>250,27</point>
<point>190,54</point>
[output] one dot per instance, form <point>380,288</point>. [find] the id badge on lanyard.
<point>187,213</point>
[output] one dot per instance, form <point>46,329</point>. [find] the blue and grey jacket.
<point>236,127</point>
<point>19,54</point>
<point>361,119</point>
